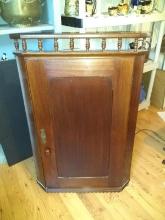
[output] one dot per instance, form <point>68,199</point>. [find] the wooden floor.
<point>144,198</point>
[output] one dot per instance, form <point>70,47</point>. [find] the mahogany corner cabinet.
<point>81,106</point>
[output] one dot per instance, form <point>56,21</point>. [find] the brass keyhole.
<point>43,136</point>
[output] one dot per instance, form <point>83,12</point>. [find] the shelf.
<point>105,20</point>
<point>5,29</point>
<point>149,66</point>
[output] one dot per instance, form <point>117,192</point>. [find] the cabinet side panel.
<point>37,82</point>
<point>120,114</point>
<point>28,107</point>
<point>134,102</point>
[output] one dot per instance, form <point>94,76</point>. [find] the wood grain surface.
<point>85,109</point>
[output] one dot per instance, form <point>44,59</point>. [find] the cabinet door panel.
<point>81,110</point>
<point>83,105</point>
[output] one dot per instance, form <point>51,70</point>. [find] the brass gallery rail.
<point>140,41</point>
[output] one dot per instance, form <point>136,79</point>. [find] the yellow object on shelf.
<point>71,8</point>
<point>123,9</point>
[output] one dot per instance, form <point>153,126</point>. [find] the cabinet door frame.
<point>122,170</point>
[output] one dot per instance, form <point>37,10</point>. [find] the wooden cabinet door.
<point>81,109</point>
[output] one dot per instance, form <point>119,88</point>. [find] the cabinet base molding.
<point>84,189</point>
